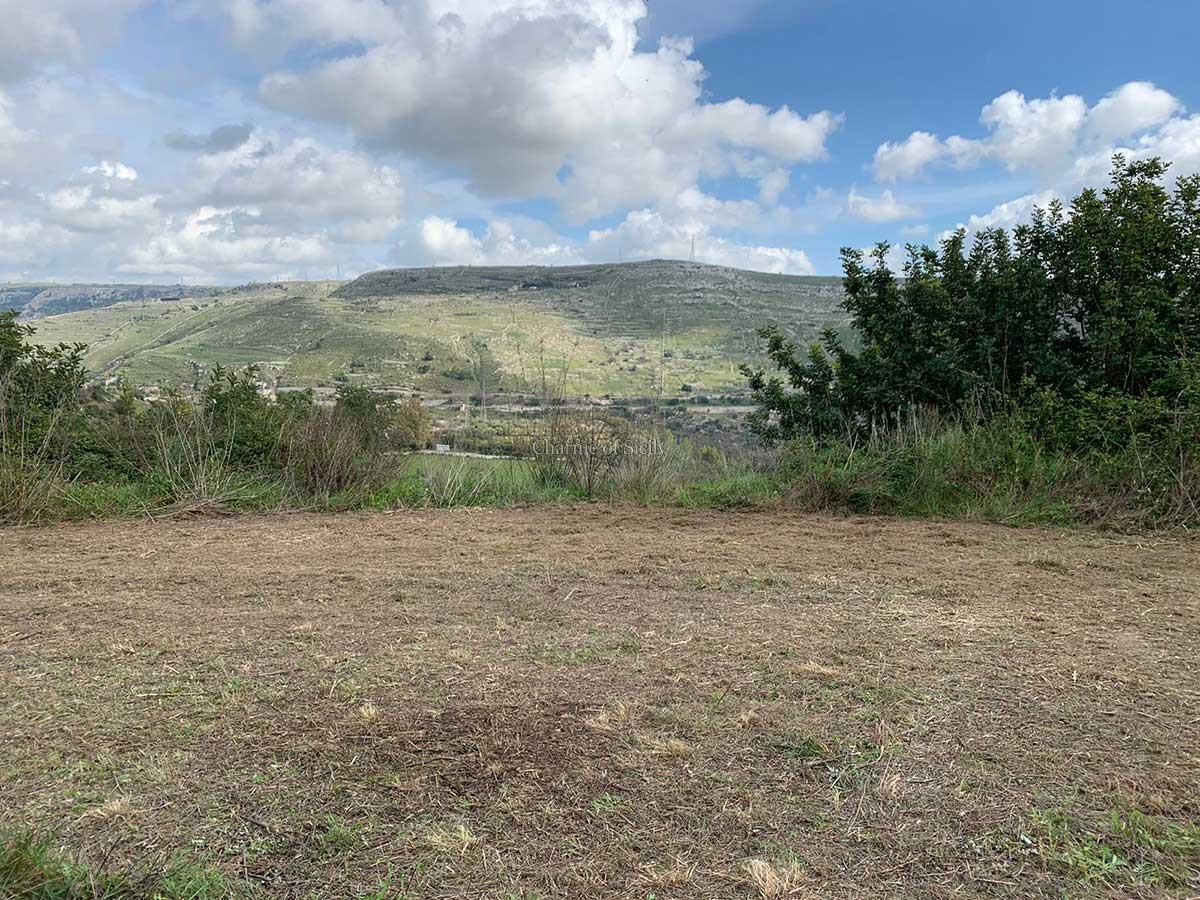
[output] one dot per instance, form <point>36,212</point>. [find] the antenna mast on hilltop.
<point>693,248</point>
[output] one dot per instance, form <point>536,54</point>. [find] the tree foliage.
<point>40,390</point>
<point>1095,305</point>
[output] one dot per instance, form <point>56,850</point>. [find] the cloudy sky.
<point>235,140</point>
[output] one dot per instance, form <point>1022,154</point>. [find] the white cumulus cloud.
<point>210,240</point>
<point>1047,135</point>
<point>666,232</point>
<point>1006,215</point>
<point>884,208</point>
<point>300,183</point>
<point>442,241</point>
<point>907,158</point>
<point>527,97</point>
<point>1131,108</point>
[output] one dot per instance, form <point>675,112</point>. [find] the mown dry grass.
<point>602,701</point>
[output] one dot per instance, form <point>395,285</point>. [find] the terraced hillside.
<point>38,300</point>
<point>618,330</point>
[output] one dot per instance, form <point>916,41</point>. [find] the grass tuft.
<point>769,881</point>
<point>32,869</point>
<point>450,837</point>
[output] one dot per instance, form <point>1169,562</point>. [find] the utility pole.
<point>662,360</point>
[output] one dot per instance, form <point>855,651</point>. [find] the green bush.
<point>40,411</point>
<point>1048,375</point>
<point>1098,307</point>
<point>240,419</point>
<point>412,426</point>
<point>1000,470</point>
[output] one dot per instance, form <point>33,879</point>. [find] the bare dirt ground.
<point>608,702</point>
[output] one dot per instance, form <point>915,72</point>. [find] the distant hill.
<point>628,298</point>
<point>39,300</point>
<point>606,329</point>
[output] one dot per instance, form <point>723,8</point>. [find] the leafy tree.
<point>812,406</point>
<point>1101,300</point>
<point>240,417</point>
<point>371,413</point>
<point>413,426</point>
<point>40,391</point>
<point>40,395</point>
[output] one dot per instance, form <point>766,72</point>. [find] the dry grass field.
<point>602,701</point>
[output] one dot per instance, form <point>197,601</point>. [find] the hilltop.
<point>627,299</point>
<point>612,329</point>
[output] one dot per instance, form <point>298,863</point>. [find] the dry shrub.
<point>189,455</point>
<point>652,469</point>
<point>596,454</point>
<point>587,446</point>
<point>39,412</point>
<point>447,837</point>
<point>327,452</point>
<point>456,482</point>
<point>30,488</point>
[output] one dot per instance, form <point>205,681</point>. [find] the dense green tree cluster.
<point>1088,317</point>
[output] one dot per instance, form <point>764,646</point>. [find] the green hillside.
<point>38,300</point>
<point>612,329</point>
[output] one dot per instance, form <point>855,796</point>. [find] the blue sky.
<point>231,140</point>
<point>895,68</point>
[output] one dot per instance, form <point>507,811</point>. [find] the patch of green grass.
<point>606,803</point>
<point>31,868</point>
<point>594,652</point>
<point>997,471</point>
<point>884,695</point>
<point>406,492</point>
<point>337,836</point>
<point>746,491</point>
<point>803,748</point>
<point>234,690</point>
<point>393,886</point>
<point>1124,848</point>
<point>106,500</point>
<point>127,499</point>
<point>462,481</point>
<point>746,582</point>
<point>846,763</point>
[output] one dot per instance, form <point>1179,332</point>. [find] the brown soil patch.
<point>603,701</point>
